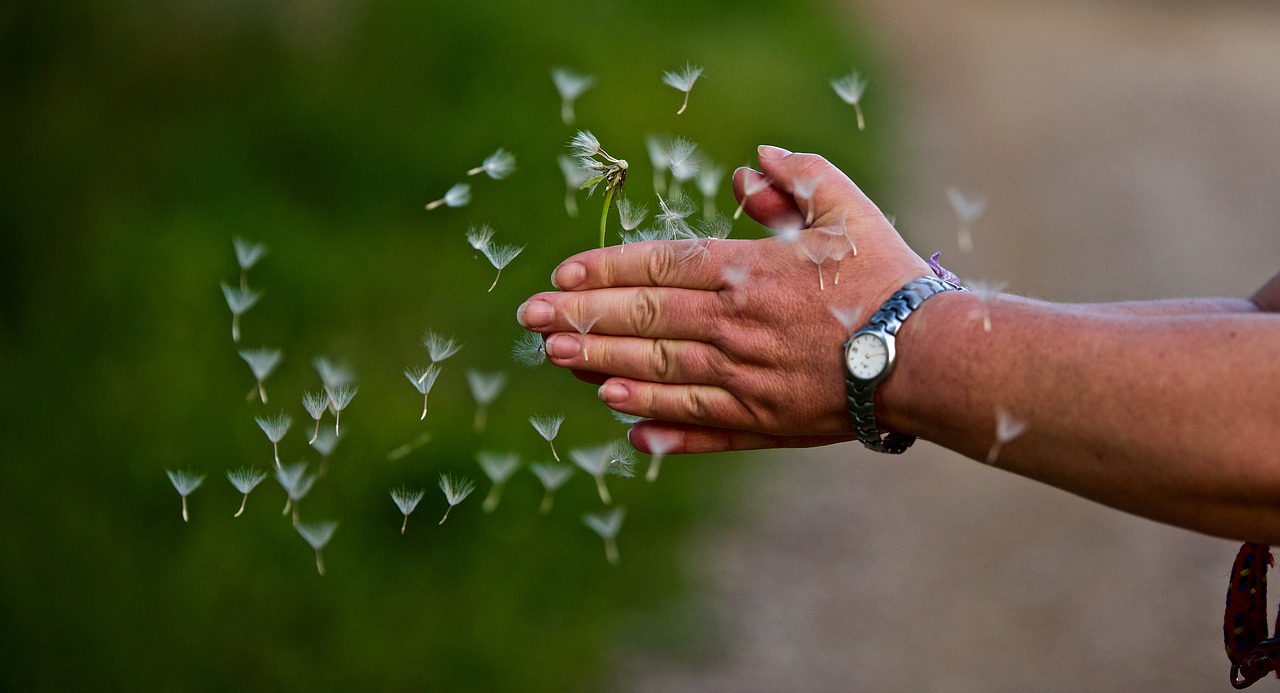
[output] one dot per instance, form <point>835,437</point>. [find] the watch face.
<point>867,356</point>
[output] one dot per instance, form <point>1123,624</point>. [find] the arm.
<point>1169,410</point>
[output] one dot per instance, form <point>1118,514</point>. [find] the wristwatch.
<point>869,358</point>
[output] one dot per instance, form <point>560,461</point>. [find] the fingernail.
<point>613,393</point>
<point>563,346</point>
<point>568,276</point>
<point>768,151</point>
<point>534,313</point>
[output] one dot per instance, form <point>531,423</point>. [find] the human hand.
<point>731,344</point>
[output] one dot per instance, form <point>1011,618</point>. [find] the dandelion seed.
<point>735,276</point>
<point>570,84</point>
<point>296,483</point>
<point>331,374</point>
<point>659,443</point>
<point>239,300</point>
<point>612,172</point>
<point>607,525</point>
<point>245,479</point>
<point>318,534</point>
<point>439,347</point>
<point>716,227</point>
<point>485,388</point>
<point>596,461</point>
<point>574,178</point>
<point>404,450</point>
<point>1008,429</point>
<point>709,184</point>
<point>672,214</point>
<point>942,272</point>
<point>184,482</point>
<point>456,196</point>
<point>850,89</point>
<point>325,444</point>
<point>478,238</point>
<point>500,256</point>
<point>529,350</point>
<point>275,427</point>
<point>682,80</point>
<point>548,427</point>
<point>631,215</point>
<point>339,398</point>
<point>626,419</point>
<point>247,255</point>
<point>839,244</point>
<point>813,245</point>
<point>497,165</point>
<point>750,186</point>
<point>552,476</point>
<point>657,148</point>
<point>498,467</point>
<point>985,291</point>
<point>583,324</point>
<point>315,403</point>
<point>789,234</point>
<point>967,211</point>
<point>849,316</point>
<point>423,379</point>
<point>682,162</point>
<point>407,501</point>
<point>622,461</point>
<point>803,189</point>
<point>456,490</point>
<point>262,362</point>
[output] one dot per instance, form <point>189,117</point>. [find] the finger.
<point>676,439</point>
<point>635,312</point>
<point>651,263</point>
<point>700,404</point>
<point>768,204</point>
<point>653,360</point>
<point>821,191</point>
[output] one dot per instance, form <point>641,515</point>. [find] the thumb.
<point>822,192</point>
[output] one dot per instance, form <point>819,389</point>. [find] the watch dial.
<point>867,356</point>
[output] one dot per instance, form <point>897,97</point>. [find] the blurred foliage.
<point>138,138</point>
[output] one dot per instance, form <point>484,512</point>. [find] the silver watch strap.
<point>861,396</point>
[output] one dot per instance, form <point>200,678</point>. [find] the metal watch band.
<point>860,395</point>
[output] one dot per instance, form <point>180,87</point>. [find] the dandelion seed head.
<point>584,145</point>
<point>547,426</point>
<point>735,275</point>
<point>248,253</point>
<point>456,489</point>
<point>275,426</point>
<point>405,499</point>
<point>245,478</point>
<point>657,148</point>
<point>804,188</point>
<point>262,361</point>
<point>848,316</point>
<point>850,87</point>
<point>439,347</point>
<point>571,84</point>
<point>659,442</point>
<point>317,534</point>
<point>607,524</point>
<point>683,79</point>
<point>622,460</point>
<point>498,466</point>
<point>184,480</point>
<point>529,350</point>
<point>582,323</point>
<point>239,300</point>
<point>551,474</point>
<point>754,184</point>
<point>985,290</point>
<point>485,387</point>
<point>315,403</point>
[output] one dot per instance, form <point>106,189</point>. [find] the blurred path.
<point>1125,151</point>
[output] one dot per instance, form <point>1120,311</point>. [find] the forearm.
<point>1172,307</point>
<point>1173,418</point>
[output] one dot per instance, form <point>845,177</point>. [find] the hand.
<point>731,344</point>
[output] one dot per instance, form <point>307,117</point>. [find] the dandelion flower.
<point>850,88</point>
<point>423,379</point>
<point>750,186</point>
<point>318,534</point>
<point>296,483</point>
<point>498,467</point>
<point>583,325</point>
<point>1008,429</point>
<point>659,443</point>
<point>339,398</point>
<point>478,238</point>
<point>456,196</point>
<point>574,177</point>
<point>485,388</point>
<point>548,427</point>
<point>570,84</point>
<point>607,525</point>
<point>245,479</point>
<point>500,256</point>
<point>184,482</point>
<point>967,211</point>
<point>456,490</point>
<point>263,363</point>
<point>682,80</point>
<point>552,476</point>
<point>239,300</point>
<point>529,350</point>
<point>406,500</point>
<point>497,165</point>
<point>316,403</point>
<point>275,427</point>
<point>601,168</point>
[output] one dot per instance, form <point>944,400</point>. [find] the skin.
<point>1166,409</point>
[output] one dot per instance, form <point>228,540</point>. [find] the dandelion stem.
<point>857,109</point>
<point>235,328</point>
<point>184,510</point>
<point>604,491</point>
<point>611,548</point>
<point>491,501</point>
<point>604,213</point>
<point>499,275</point>
<point>404,525</point>
<point>275,448</point>
<point>262,392</point>
<point>481,418</point>
<point>424,408</point>
<point>476,170</point>
<point>553,450</point>
<point>821,284</point>
<point>243,503</point>
<point>446,514</point>
<point>566,111</point>
<point>337,420</point>
<point>548,500</point>
<point>316,434</point>
<point>288,505</point>
<point>319,562</point>
<point>994,452</point>
<point>654,467</point>
<point>685,104</point>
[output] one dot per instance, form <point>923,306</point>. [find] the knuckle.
<point>662,359</point>
<point>643,316</point>
<point>660,263</point>
<point>695,404</point>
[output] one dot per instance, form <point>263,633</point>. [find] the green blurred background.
<point>138,138</point>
